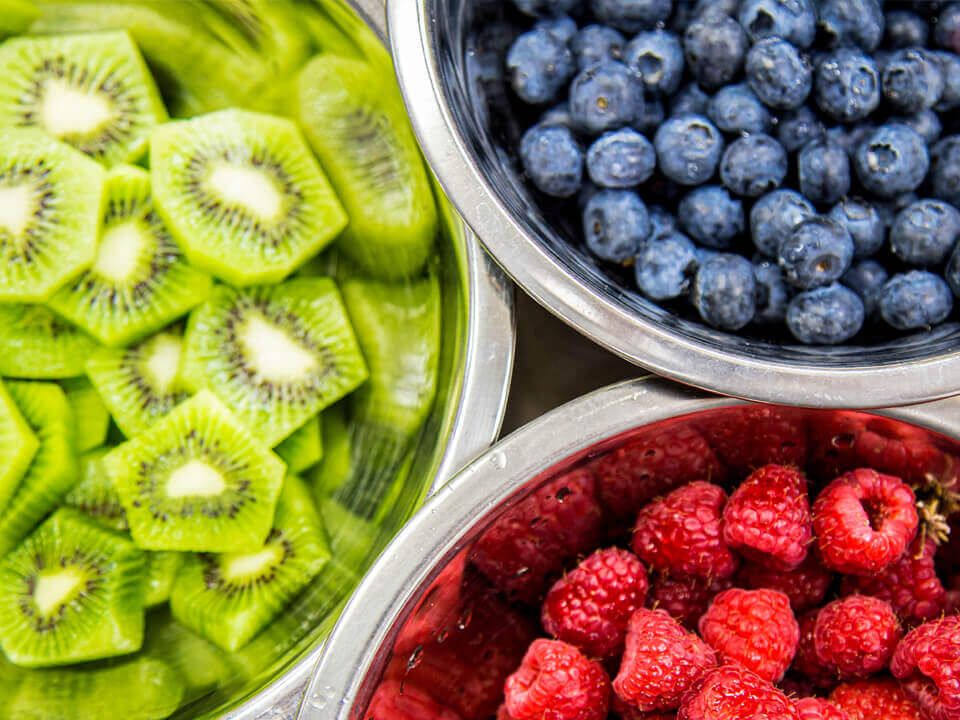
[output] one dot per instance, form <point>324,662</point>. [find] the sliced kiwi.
<point>92,91</point>
<point>18,446</point>
<point>95,495</point>
<point>16,16</point>
<point>141,383</point>
<point>197,480</point>
<point>275,31</point>
<point>335,465</point>
<point>354,118</point>
<point>351,537</point>
<point>229,598</point>
<point>35,343</point>
<point>243,194</point>
<point>326,34</point>
<point>275,355</point>
<point>162,568</point>
<point>72,591</point>
<point>140,281</point>
<point>50,197</point>
<point>54,469</point>
<point>303,448</point>
<point>89,413</point>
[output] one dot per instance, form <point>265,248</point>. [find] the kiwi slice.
<point>351,537</point>
<point>197,480</point>
<point>141,383</point>
<point>71,591</point>
<point>37,344</point>
<point>229,598</point>
<point>18,446</point>
<point>95,495</point>
<point>243,194</point>
<point>16,16</point>
<point>89,413</point>
<point>354,118</point>
<point>140,281</point>
<point>50,197</point>
<point>54,468</point>
<point>162,568</point>
<point>275,31</point>
<point>303,448</point>
<point>275,355</point>
<point>326,34</point>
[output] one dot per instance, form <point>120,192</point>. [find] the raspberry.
<point>531,540</point>
<point>813,708</point>
<point>876,699</point>
<point>767,518</point>
<point>806,586</point>
<point>864,521</point>
<point>681,533</point>
<point>556,682</point>
<point>652,464</point>
<point>394,701</point>
<point>928,664</point>
<point>755,628</point>
<point>504,714</point>
<point>628,712</point>
<point>683,597</point>
<point>910,585</point>
<point>752,436</point>
<point>856,635</point>
<point>437,611</point>
<point>806,661</point>
<point>731,692</point>
<point>660,662</point>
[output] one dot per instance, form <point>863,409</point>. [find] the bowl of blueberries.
<point>756,197</point>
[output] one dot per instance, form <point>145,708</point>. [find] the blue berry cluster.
<point>761,163</point>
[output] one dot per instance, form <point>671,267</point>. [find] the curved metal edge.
<point>603,321</point>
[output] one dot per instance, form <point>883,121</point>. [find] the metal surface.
<point>478,177</point>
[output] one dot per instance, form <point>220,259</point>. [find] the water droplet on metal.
<point>499,460</point>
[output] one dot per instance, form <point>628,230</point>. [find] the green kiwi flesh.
<point>335,465</point>
<point>162,568</point>
<point>18,446</point>
<point>303,448</point>
<point>353,116</point>
<point>197,480</point>
<point>37,344</point>
<point>139,281</point>
<point>95,495</point>
<point>229,598</point>
<point>16,16</point>
<point>72,591</point>
<point>243,194</point>
<point>92,91</point>
<point>89,413</point>
<point>276,355</point>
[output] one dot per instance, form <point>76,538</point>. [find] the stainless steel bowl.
<point>449,56</point>
<point>364,641</point>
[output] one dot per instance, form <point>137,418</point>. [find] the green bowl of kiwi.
<point>242,335</point>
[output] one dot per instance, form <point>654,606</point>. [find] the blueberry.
<point>826,316</point>
<point>824,171</point>
<point>793,20</point>
<point>945,169</point>
<point>772,294</point>
<point>914,300</point>
<point>650,115</point>
<point>892,160</point>
<point>774,216</point>
<point>753,165</point>
<point>664,267</point>
<point>620,159</point>
<point>847,85</point>
<point>912,80</point>
<point>866,278</point>
<point>615,224</point>
<point>606,96</point>
<point>735,109</point>
<point>539,66</point>
<point>724,291</point>
<point>714,46</point>
<point>597,43</point>
<point>926,123</point>
<point>889,209</point>
<point>703,254</point>
<point>857,22</point>
<point>952,273</point>
<point>545,8</point>
<point>631,15</point>
<point>688,149</point>
<point>710,216</point>
<point>906,29</point>
<point>658,56</point>
<point>552,160</point>
<point>798,127</point>
<point>563,28</point>
<point>816,253</point>
<point>778,74</point>
<point>950,69</point>
<point>716,7</point>
<point>946,33</point>
<point>689,100</point>
<point>661,221</point>
<point>558,115</point>
<point>863,222</point>
<point>925,232</point>
<point>849,137</point>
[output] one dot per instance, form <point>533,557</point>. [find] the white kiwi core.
<point>273,353</point>
<point>65,110</point>
<point>119,253</point>
<point>16,208</point>
<point>194,478</point>
<point>54,588</point>
<point>164,361</point>
<point>237,566</point>
<point>248,189</point>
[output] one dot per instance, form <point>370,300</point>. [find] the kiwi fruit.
<point>16,16</point>
<point>140,383</point>
<point>89,413</point>
<point>243,194</point>
<point>354,119</point>
<point>351,537</point>
<point>18,446</point>
<point>72,591</point>
<point>275,355</point>
<point>229,598</point>
<point>36,343</point>
<point>327,36</point>
<point>54,469</point>
<point>50,199</point>
<point>197,480</point>
<point>334,466</point>
<point>274,30</point>
<point>95,495</point>
<point>162,568</point>
<point>303,448</point>
<point>139,281</point>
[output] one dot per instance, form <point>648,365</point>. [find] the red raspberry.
<point>864,521</point>
<point>628,712</point>
<point>591,606</point>
<point>556,682</point>
<point>806,661</point>
<point>652,464</point>
<point>530,541</point>
<point>875,699</point>
<point>751,436</point>
<point>395,701</point>
<point>910,585</point>
<point>755,628</point>
<point>856,636</point>
<point>731,692</point>
<point>437,611</point>
<point>681,533</point>
<point>814,708</point>
<point>806,586</point>
<point>504,714</point>
<point>660,662</point>
<point>928,664</point>
<point>767,518</point>
<point>683,597</point>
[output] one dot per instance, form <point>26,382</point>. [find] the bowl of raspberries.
<point>649,552</point>
<point>750,196</point>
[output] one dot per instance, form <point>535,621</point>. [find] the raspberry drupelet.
<point>856,636</point>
